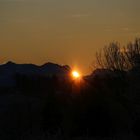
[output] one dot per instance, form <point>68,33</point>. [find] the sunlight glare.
<point>75,74</point>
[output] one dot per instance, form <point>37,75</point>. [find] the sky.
<point>64,31</point>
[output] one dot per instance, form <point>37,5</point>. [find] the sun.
<point>75,74</point>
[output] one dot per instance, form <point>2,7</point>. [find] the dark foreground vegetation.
<point>104,105</point>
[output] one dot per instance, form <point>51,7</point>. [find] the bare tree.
<point>111,57</point>
<point>115,57</point>
<point>132,53</point>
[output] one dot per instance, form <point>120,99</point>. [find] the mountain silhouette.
<point>10,69</point>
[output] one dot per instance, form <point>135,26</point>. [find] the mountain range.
<point>10,69</point>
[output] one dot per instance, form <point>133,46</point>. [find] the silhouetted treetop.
<point>115,57</point>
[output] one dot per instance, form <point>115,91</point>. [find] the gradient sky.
<point>64,31</point>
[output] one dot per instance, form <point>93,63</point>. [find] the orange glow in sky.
<point>68,32</point>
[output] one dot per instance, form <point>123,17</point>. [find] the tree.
<point>111,57</point>
<point>114,57</point>
<point>132,53</point>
